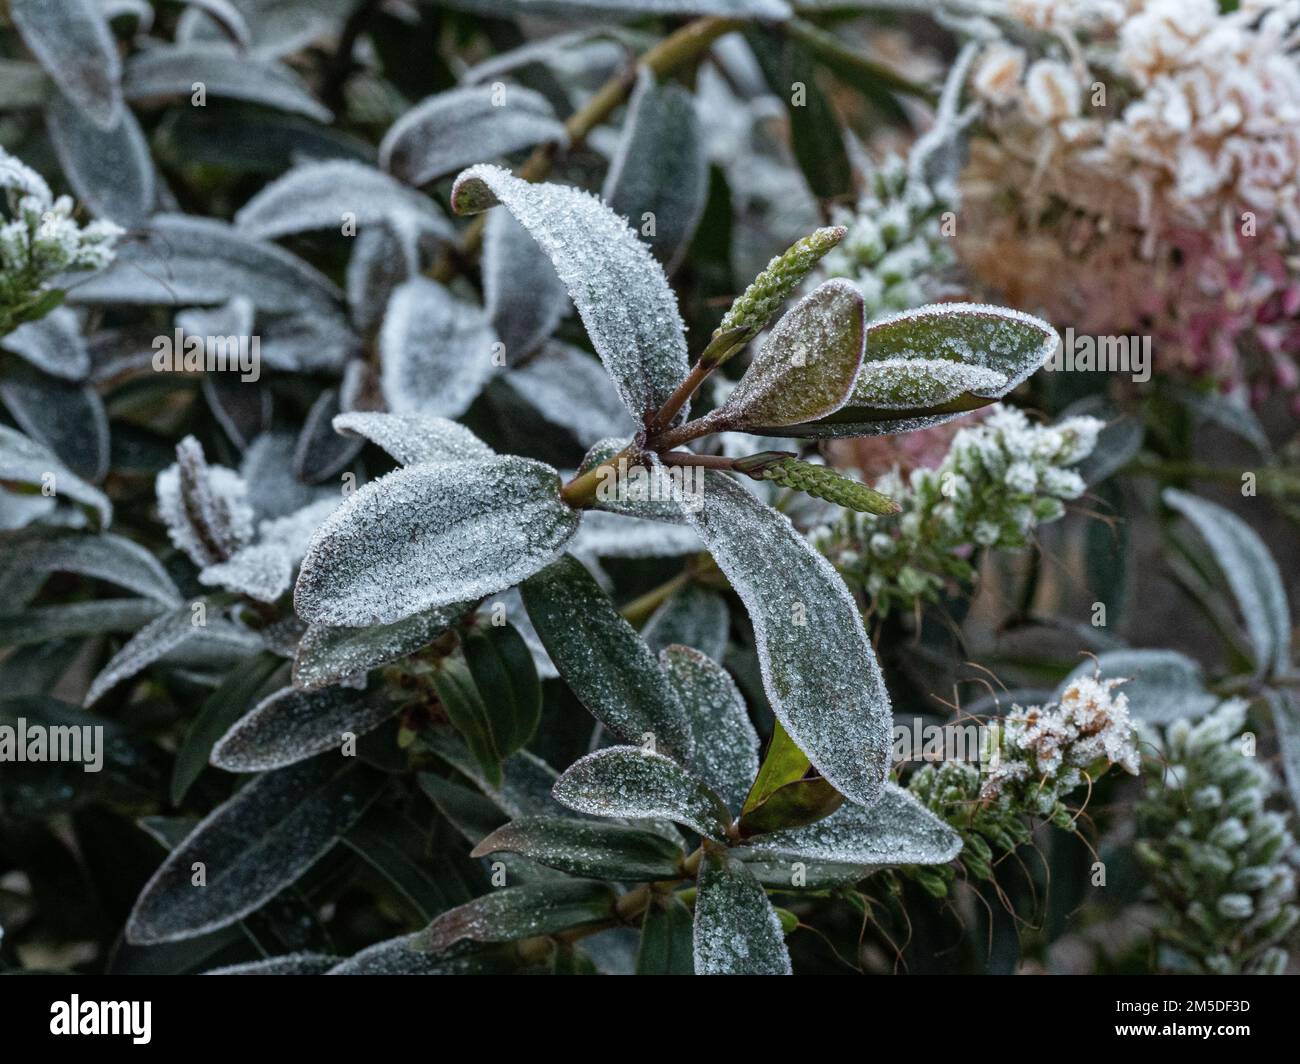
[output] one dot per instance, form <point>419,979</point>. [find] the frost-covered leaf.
<point>181,260</point>
<point>1252,574</point>
<point>273,489</point>
<point>25,462</point>
<point>1162,685</point>
<point>808,364</point>
<point>606,535</point>
<point>617,285</point>
<point>328,194</point>
<point>275,27</point>
<point>110,170</point>
<point>588,848</point>
<point>328,655</point>
<point>666,946</point>
<point>520,912</point>
<point>818,667</point>
<point>630,781</point>
<point>430,535</point>
<point>694,617</point>
<point>242,412</point>
<point>726,745</point>
<point>1286,719</point>
<point>627,487</point>
<point>661,168</point>
<point>571,389</point>
<point>522,294</point>
<point>226,15</point>
<point>173,70</point>
<point>753,9</point>
<point>453,129</point>
<point>291,726</point>
<point>999,347</point>
<point>403,956</point>
<point>895,830</point>
<point>95,617</point>
<point>107,557</point>
<point>74,44</point>
<point>318,341</point>
<point>251,847</point>
<point>438,351</point>
<point>602,659</point>
<point>204,507</point>
<point>501,664</point>
<point>163,635</point>
<point>53,344</point>
<point>737,931</point>
<point>414,438</point>
<point>378,264</point>
<point>285,964</point>
<point>321,453</point>
<point>262,571</point>
<point>68,418</point>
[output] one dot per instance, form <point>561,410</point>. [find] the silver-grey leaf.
<point>110,170</point>
<point>522,294</point>
<point>53,344</point>
<point>430,535</point>
<point>615,282</point>
<point>572,390</point>
<point>736,931</point>
<point>72,41</point>
<point>23,461</point>
<point>453,129</point>
<point>694,617</point>
<point>414,438</point>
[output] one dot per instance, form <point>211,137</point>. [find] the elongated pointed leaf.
<point>619,289</point>
<point>463,704</point>
<point>629,781</point>
<point>437,351</point>
<point>587,848</point>
<point>414,438</point>
<point>783,764</point>
<point>41,623</point>
<point>818,667</point>
<point>896,830</point>
<point>522,293</point>
<point>572,390</point>
<point>667,945</point>
<point>793,805</point>
<point>173,70</point>
<point>602,659</point>
<point>807,367</point>
<point>431,535</point>
<point>726,746</point>
<point>110,170</point>
<point>1162,685</point>
<point>999,347</point>
<point>68,418</point>
<point>74,44</point>
<point>1286,719</point>
<point>25,462</point>
<point>659,176</point>
<point>503,671</point>
<point>1252,574</point>
<point>291,726</point>
<point>520,912</point>
<point>446,132</point>
<point>53,344</point>
<point>328,194</point>
<point>108,557</point>
<point>182,260</point>
<point>737,932</point>
<point>329,655</point>
<point>694,617</point>
<point>251,847</point>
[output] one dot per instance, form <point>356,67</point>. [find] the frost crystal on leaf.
<point>571,389</point>
<point>898,384</point>
<point>619,289</point>
<point>737,932</point>
<point>73,42</point>
<point>629,781</point>
<point>430,535</point>
<point>522,294</point>
<point>205,507</point>
<point>414,438</point>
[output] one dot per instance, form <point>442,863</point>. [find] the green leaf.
<point>398,851</point>
<point>222,708</point>
<point>520,912</point>
<point>737,931</point>
<point>667,945</point>
<point>588,848</point>
<point>1252,574</point>
<point>927,366</point>
<point>1286,719</point>
<point>251,847</point>
<point>896,830</point>
<point>726,746</point>
<point>627,781</point>
<point>464,707</point>
<point>600,656</point>
<point>818,667</point>
<point>793,805</point>
<point>694,617</point>
<point>807,366</point>
<point>506,678</point>
<point>783,764</point>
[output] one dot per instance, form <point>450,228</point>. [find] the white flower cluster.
<point>1223,865</point>
<point>40,239</point>
<point>1044,752</point>
<point>998,482</point>
<point>895,245</point>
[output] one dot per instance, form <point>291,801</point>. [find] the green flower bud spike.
<point>782,467</point>
<point>755,307</point>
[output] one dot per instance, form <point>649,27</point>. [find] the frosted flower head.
<point>1052,92</point>
<point>996,77</point>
